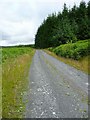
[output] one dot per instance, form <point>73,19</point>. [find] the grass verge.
<point>0,91</point>
<point>81,64</point>
<point>0,83</point>
<point>14,84</point>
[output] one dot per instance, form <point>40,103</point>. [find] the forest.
<point>67,26</point>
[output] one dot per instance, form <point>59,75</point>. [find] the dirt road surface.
<point>56,90</point>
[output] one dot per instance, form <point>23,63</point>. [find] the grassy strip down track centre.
<point>15,67</point>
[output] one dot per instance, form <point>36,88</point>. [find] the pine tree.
<point>64,27</point>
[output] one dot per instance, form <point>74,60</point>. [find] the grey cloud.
<point>20,18</point>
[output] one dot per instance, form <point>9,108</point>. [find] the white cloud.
<point>21,18</point>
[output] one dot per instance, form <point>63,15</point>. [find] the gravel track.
<point>56,90</point>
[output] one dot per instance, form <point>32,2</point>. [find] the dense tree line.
<point>69,26</point>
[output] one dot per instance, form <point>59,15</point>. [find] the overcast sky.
<point>20,19</point>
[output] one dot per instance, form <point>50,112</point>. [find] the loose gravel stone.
<point>56,89</point>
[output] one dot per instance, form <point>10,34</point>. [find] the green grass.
<point>0,83</point>
<point>75,54</point>
<point>14,52</point>
<point>72,50</point>
<point>0,91</point>
<point>81,64</point>
<point>15,68</point>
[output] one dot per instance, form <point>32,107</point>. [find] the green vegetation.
<point>13,52</point>
<point>81,64</point>
<point>15,68</point>
<point>0,83</point>
<point>72,50</point>
<point>66,27</point>
<point>62,30</point>
<point>0,91</point>
<point>75,54</point>
<point>67,34</point>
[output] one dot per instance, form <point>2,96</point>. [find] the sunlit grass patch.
<point>13,52</point>
<point>0,82</point>
<point>14,84</point>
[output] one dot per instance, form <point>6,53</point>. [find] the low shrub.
<point>73,50</point>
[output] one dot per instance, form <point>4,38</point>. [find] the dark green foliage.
<point>72,50</point>
<point>65,27</point>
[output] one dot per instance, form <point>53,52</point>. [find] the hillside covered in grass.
<point>13,52</point>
